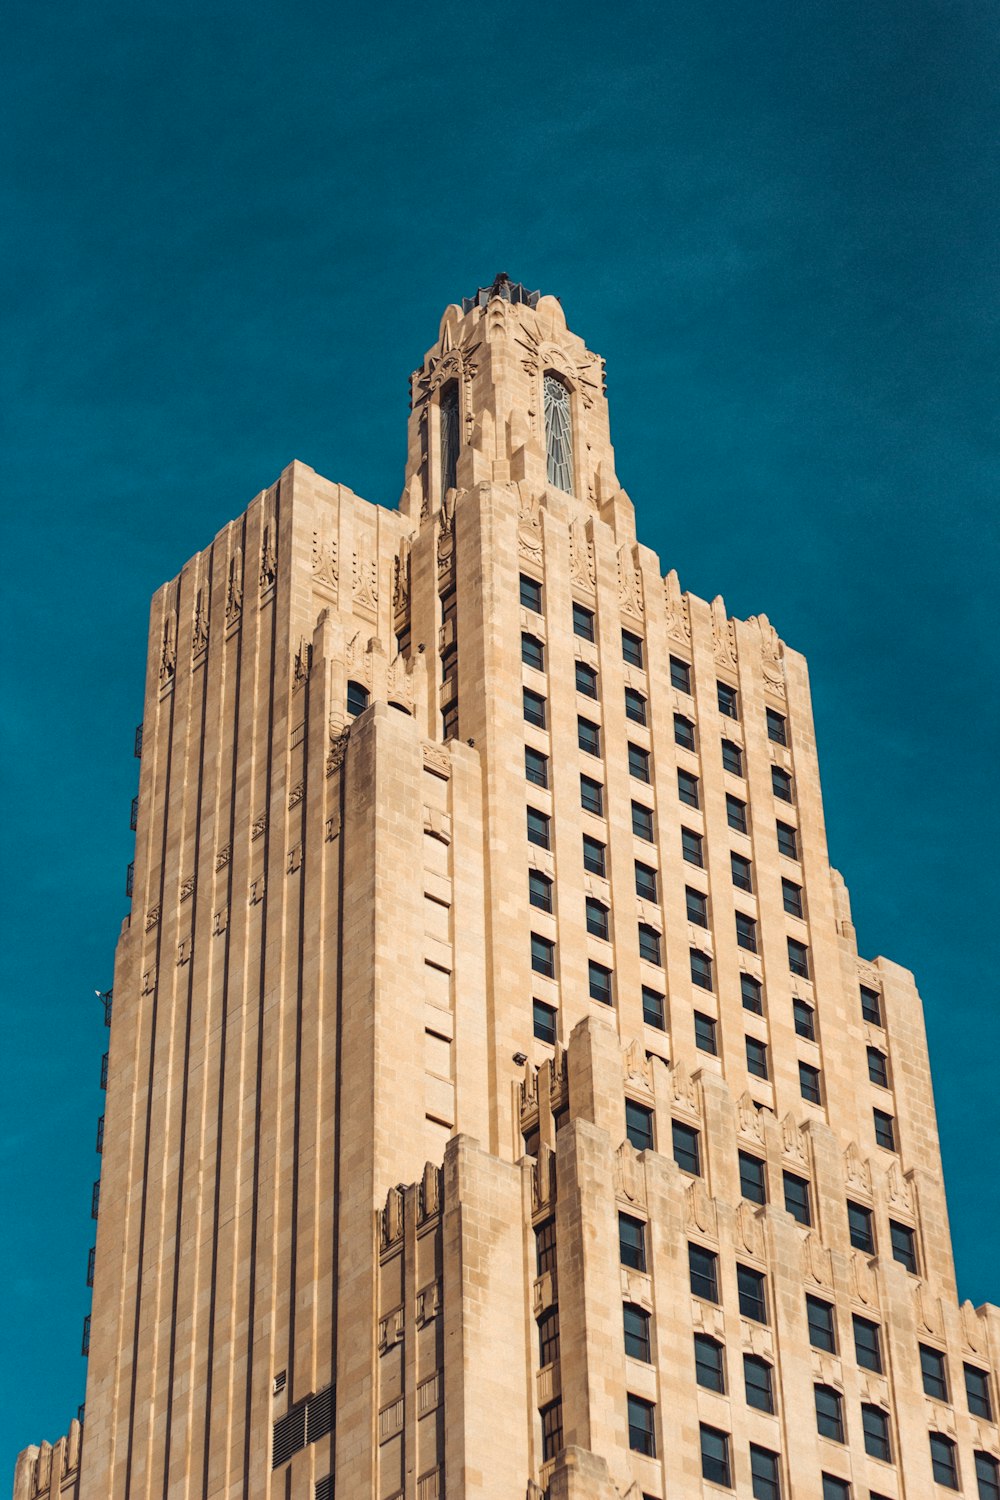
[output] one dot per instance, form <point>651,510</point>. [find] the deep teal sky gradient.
<point>228,233</point>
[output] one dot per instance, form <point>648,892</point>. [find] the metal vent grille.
<point>324,1488</point>
<point>319,1415</point>
<point>289,1435</point>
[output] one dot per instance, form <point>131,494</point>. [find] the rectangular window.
<point>704,1033</point>
<point>539,890</point>
<point>885,1130</point>
<point>876,1429</point>
<point>765,1473</point>
<point>758,1383</point>
<point>635,1321</point>
<point>753,1178</point>
<point>746,932</point>
<point>742,872</point>
<point>649,944</point>
<point>691,847</point>
<point>859,1224</point>
<point>680,675</point>
<point>639,1125</point>
<point>781,784</point>
<point>798,958</point>
<point>752,1287</point>
<point>642,822</point>
<point>683,732</point>
<point>686,1148</point>
<point>599,980</point>
<point>835,1489</point>
<point>756,1057</point>
<point>715,1462</point>
<point>904,1245</point>
<point>878,1067</point>
<point>534,708</point>
<point>591,796</point>
<point>536,767</point>
<point>597,918</point>
<point>819,1316</point>
<point>696,904</point>
<point>829,1413</point>
<point>641,1433</point>
<point>977,1392</point>
<point>752,994</point>
<point>944,1466</point>
<point>531,594</point>
<point>791,895</point>
<point>797,1197</point>
<point>449,721</point>
<point>532,651</point>
<point>632,648</point>
<point>653,1008</point>
<point>736,813</point>
<point>709,1367</point>
<point>538,828</point>
<point>732,758</point>
<point>809,1083</point>
<point>727,700</point>
<point>645,881</point>
<point>804,1018</point>
<point>635,706</point>
<point>594,856</point>
<point>987,1477</point>
<point>776,729</point>
<point>545,1246</point>
<point>934,1373</point>
<point>548,1337</point>
<point>588,736</point>
<point>687,789</point>
<point>632,1242</point>
<point>638,762</point>
<point>543,956</point>
<point>703,1270</point>
<point>544,1018</point>
<point>788,841</point>
<point>701,969</point>
<point>552,1431</point>
<point>586,680</point>
<point>867,1344</point>
<point>583,622</point>
<point>871,1005</point>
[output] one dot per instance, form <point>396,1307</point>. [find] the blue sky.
<point>227,236</point>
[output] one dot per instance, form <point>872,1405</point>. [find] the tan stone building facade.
<point>498,1105</point>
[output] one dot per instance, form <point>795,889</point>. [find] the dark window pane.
<point>686,1148</point>
<point>532,651</point>
<point>736,813</point>
<point>680,674</point>
<point>691,847</point>
<point>977,1392</point>
<point>701,969</point>
<point>597,918</point>
<point>805,1020</point>
<point>583,622</point>
<point>934,1372</point>
<point>943,1463</point>
<point>829,1413</point>
<point>638,762</point>
<point>758,1382</point>
<point>871,1005</point>
<point>645,881</point>
<point>885,1129</point>
<point>531,593</point>
<point>543,956</point>
<point>788,841</point>
<point>876,1429</point>
<point>742,872</point>
<point>683,731</point>
<point>878,1067</point>
<point>904,1245</point>
<point>709,1369</point>
<point>732,758</point>
<point>639,1125</point>
<point>536,766</point>
<point>552,1431</point>
<point>687,788</point>
<point>753,1293</point>
<point>835,1489</point>
<point>588,736</point>
<point>819,1316</point>
<point>703,1266</point>
<point>798,958</point>
<point>586,680</point>
<point>538,828</point>
<point>867,1344</point>
<point>544,1021</point>
<point>652,1008</point>
<point>594,856</point>
<point>752,993</point>
<point>781,784</point>
<point>697,906</point>
<point>859,1222</point>
<point>632,1242</point>
<point>765,1473</point>
<point>704,1033</point>
<point>635,706</point>
<point>649,944</point>
<point>539,890</point>
<point>357,699</point>
<point>545,1246</point>
<point>591,795</point>
<point>809,1083</point>
<point>791,895</point>
<point>636,1327</point>
<point>548,1337</point>
<point>715,1464</point>
<point>727,700</point>
<point>776,728</point>
<point>987,1477</point>
<point>599,979</point>
<point>641,1434</point>
<point>746,932</point>
<point>642,822</point>
<point>753,1178</point>
<point>534,708</point>
<point>797,1197</point>
<point>756,1057</point>
<point>632,648</point>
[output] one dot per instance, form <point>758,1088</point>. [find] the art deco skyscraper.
<point>498,1105</point>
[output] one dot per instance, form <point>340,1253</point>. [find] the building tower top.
<point>509,395</point>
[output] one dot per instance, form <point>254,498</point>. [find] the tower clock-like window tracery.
<point>449,436</point>
<point>558,434</point>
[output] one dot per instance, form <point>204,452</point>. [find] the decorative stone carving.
<point>630,1180</point>
<point>929,1311</point>
<point>390,1330</point>
<point>220,921</point>
<point>637,1067</point>
<point>723,634</point>
<point>223,857</point>
<point>683,1086</point>
<point>268,555</point>
<point>437,760</point>
<point>793,1140</point>
<point>857,1172</point>
<point>428,1303</point>
<point>296,794</point>
<point>325,564</point>
<point>430,1192</point>
<point>629,583</point>
<point>863,1285</point>
<point>399,683</point>
<point>152,917</point>
<point>293,860</point>
<point>365,593</point>
<point>257,890</point>
<point>868,974</point>
<point>199,630</point>
<point>749,1230</point>
<point>543,1177</point>
<point>168,647</point>
<point>401,578</point>
<point>816,1262</point>
<point>770,651</point>
<point>392,1217</point>
<point>149,980</point>
<point>529,527</point>
<point>973,1331</point>
<point>234,587</point>
<point>337,749</point>
<point>187,888</point>
<point>259,826</point>
<point>748,1119</point>
<point>700,1210</point>
<point>302,663</point>
<point>678,621</point>
<point>898,1188</point>
<point>582,571</point>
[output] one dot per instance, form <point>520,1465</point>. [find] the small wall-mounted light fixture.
<point>421,648</point>
<point>520,1058</point>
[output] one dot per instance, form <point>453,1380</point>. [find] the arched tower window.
<point>449,435</point>
<point>558,434</point>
